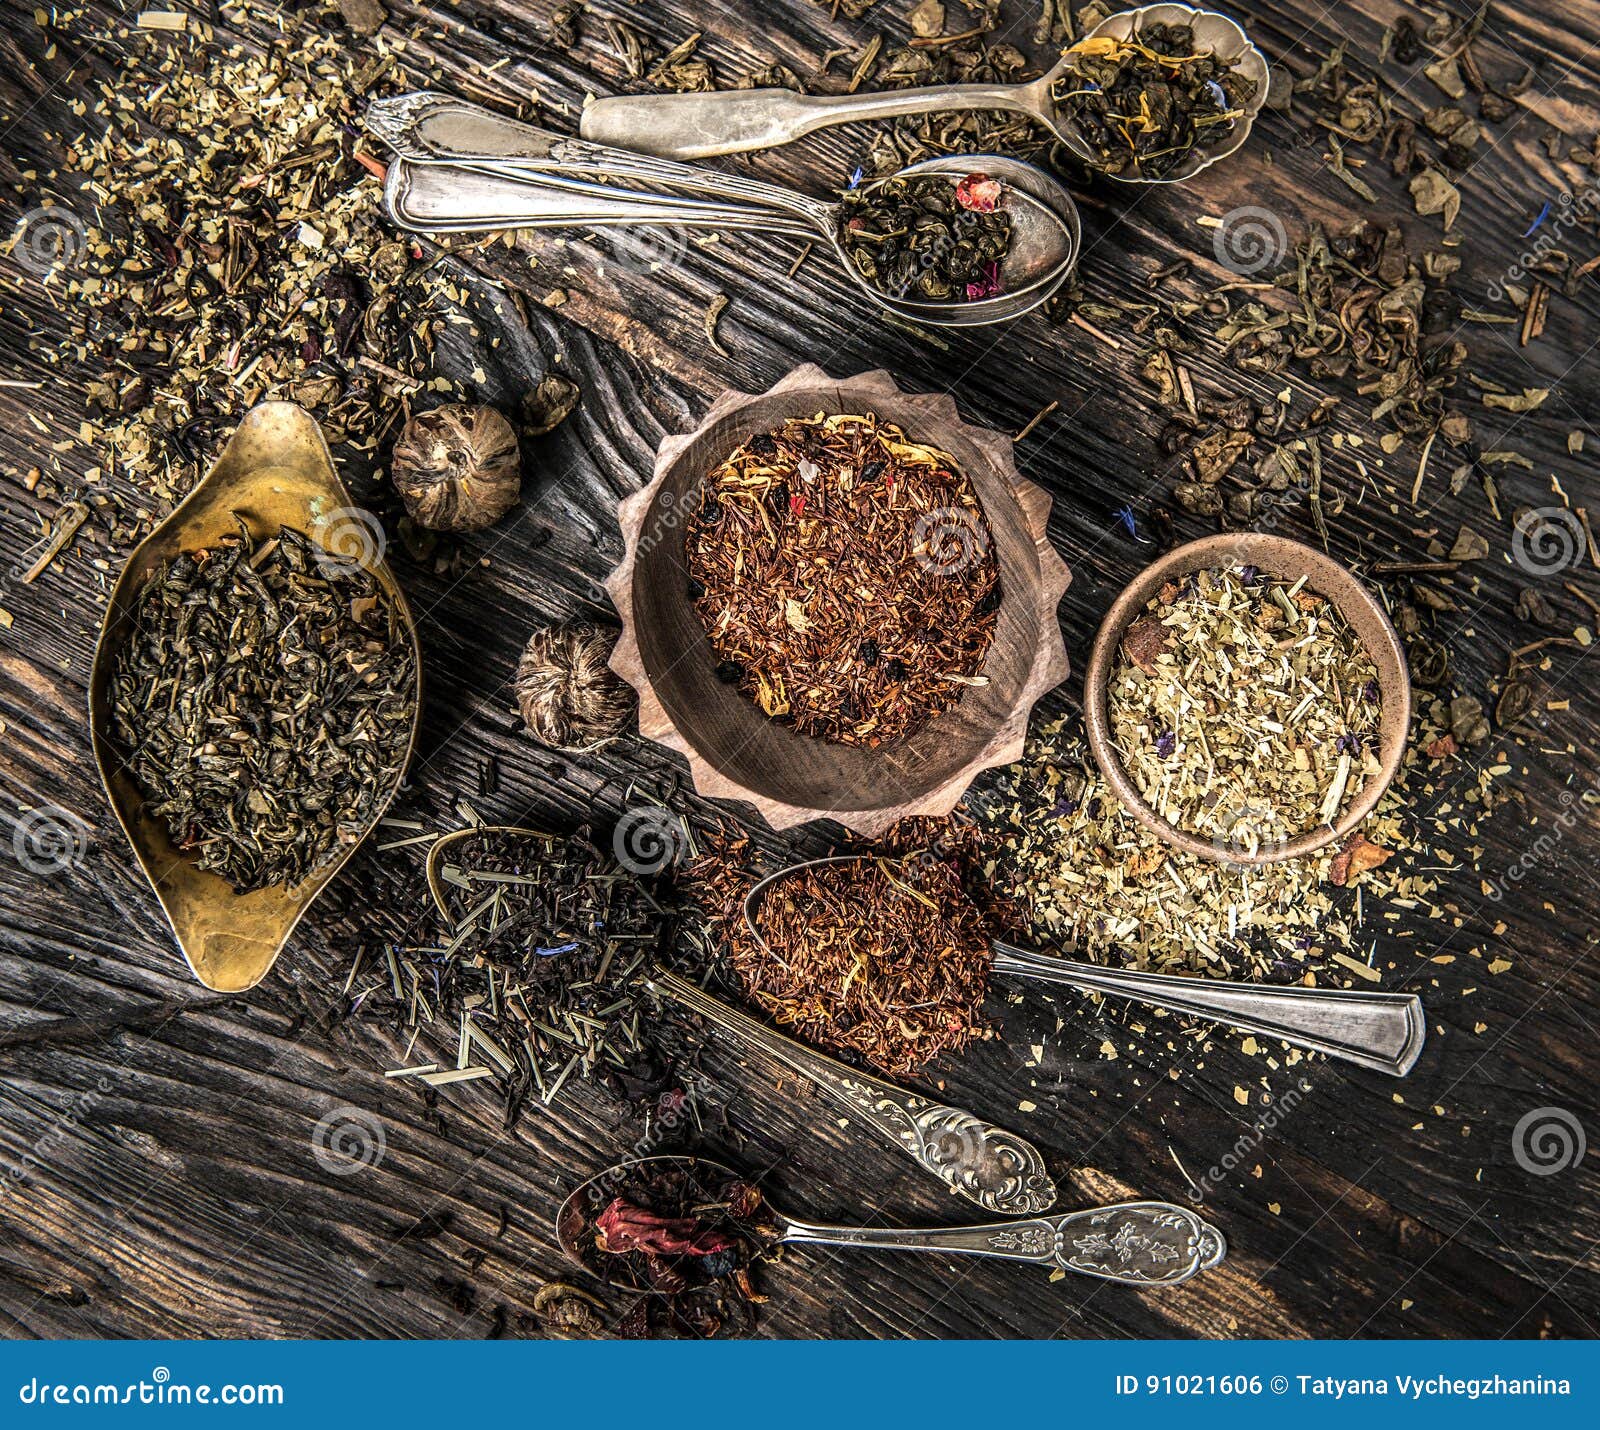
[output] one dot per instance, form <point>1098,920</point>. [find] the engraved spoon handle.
<point>436,197</point>
<point>994,1168</point>
<point>1384,1031</point>
<point>1139,1243</point>
<point>699,126</point>
<point>429,128</point>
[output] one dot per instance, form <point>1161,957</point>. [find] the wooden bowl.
<point>1281,557</point>
<point>737,752</point>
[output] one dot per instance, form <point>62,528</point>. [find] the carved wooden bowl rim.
<point>939,423</point>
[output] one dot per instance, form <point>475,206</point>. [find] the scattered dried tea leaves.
<point>845,576</point>
<point>1254,717</point>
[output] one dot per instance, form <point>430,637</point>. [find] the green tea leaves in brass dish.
<point>255,695</point>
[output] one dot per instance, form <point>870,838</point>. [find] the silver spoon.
<point>988,1165</point>
<point>699,126</point>
<point>1383,1031</point>
<point>464,169</point>
<point>1136,1243</point>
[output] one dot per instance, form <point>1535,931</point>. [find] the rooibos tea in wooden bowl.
<point>1245,708</point>
<point>263,704</point>
<point>845,576</point>
<point>1144,104</point>
<point>922,238</point>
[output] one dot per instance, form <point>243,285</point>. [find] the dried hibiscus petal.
<point>623,1227</point>
<point>979,193</point>
<point>987,286</point>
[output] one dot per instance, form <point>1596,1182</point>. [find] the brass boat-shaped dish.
<point>276,471</point>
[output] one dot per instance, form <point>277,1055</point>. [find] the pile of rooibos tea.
<point>928,240</point>
<point>845,576</point>
<point>687,1231</point>
<point>887,958</point>
<point>263,704</point>
<point>541,964</point>
<point>1144,104</point>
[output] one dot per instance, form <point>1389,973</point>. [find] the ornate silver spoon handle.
<point>430,128</point>
<point>989,1166</point>
<point>1377,1030</point>
<point>1140,1243</point>
<point>699,126</point>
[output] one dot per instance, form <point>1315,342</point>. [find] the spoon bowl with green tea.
<point>1382,1031</point>
<point>703,125</point>
<point>681,1225</point>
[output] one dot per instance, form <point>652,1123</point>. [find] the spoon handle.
<point>994,1168</point>
<point>1139,1243</point>
<point>1384,1031</point>
<point>425,127</point>
<point>435,197</point>
<point>699,126</point>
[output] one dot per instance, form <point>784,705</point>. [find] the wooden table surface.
<point>156,1141</point>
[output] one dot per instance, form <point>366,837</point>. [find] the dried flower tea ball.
<point>569,696</point>
<point>458,468</point>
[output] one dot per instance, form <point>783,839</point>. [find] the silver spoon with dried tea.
<point>463,169</point>
<point>676,1225</point>
<point>1383,1031</point>
<point>702,125</point>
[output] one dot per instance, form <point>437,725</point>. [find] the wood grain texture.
<point>156,1140</point>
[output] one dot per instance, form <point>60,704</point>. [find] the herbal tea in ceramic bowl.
<point>1247,698</point>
